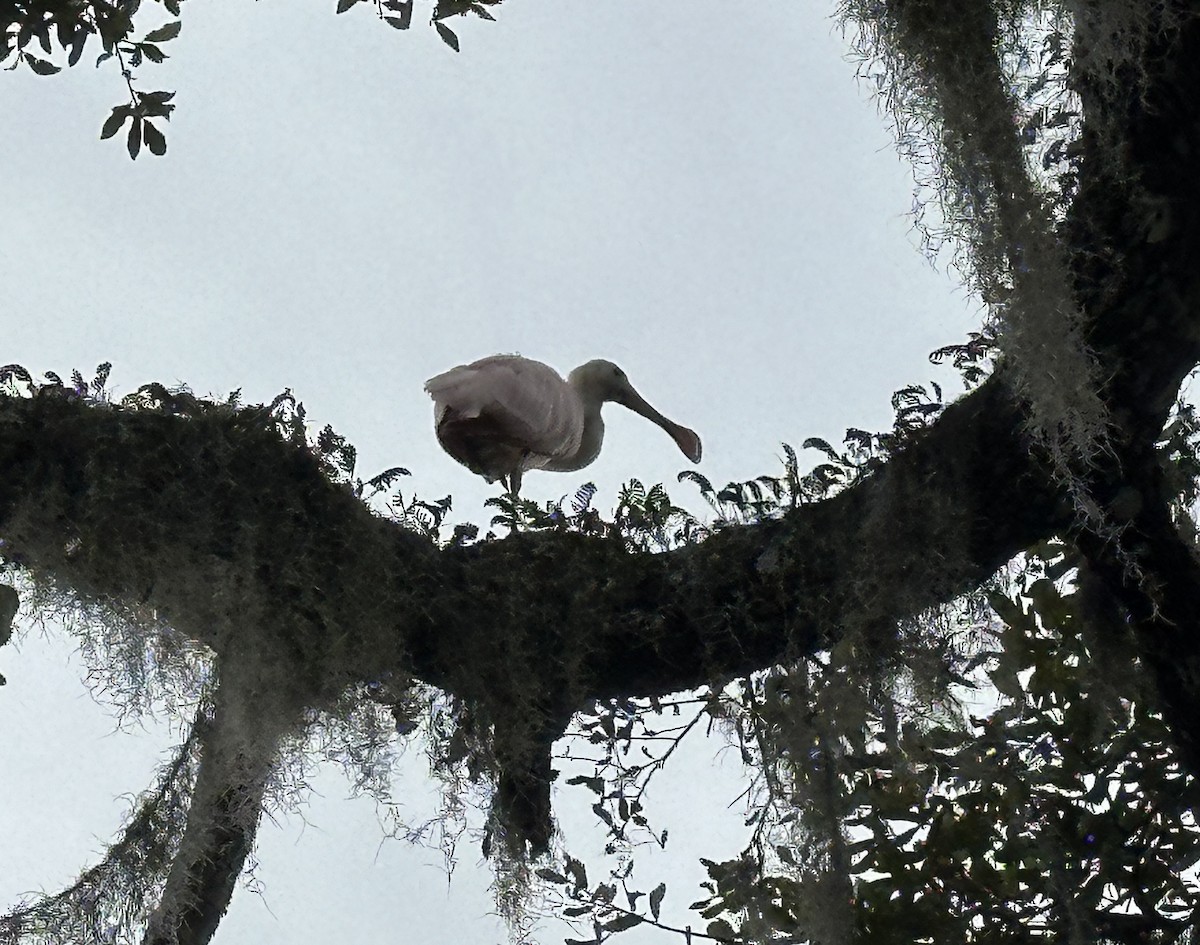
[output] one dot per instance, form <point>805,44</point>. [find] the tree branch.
<point>253,708</point>
<point>232,535</point>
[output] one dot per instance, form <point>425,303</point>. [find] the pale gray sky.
<point>706,198</point>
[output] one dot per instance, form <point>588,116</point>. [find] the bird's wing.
<point>529,400</point>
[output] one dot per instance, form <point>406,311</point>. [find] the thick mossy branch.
<point>226,531</point>
<point>1134,228</point>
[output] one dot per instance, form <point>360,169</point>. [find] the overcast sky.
<point>708,199</point>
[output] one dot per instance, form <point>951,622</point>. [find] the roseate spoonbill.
<point>502,415</point>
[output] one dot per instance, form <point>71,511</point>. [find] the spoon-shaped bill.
<point>687,440</point>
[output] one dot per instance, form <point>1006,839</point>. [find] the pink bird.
<point>502,415</point>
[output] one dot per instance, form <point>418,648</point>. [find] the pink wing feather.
<point>527,398</point>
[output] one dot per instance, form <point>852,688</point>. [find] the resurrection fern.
<point>971,359</point>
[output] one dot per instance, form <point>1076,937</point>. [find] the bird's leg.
<point>513,481</point>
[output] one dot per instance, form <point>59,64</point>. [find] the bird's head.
<point>602,381</point>
<point>599,381</point>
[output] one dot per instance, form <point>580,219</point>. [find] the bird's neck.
<point>593,433</point>
<point>591,436</point>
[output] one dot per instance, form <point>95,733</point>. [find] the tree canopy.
<point>1034,538</point>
